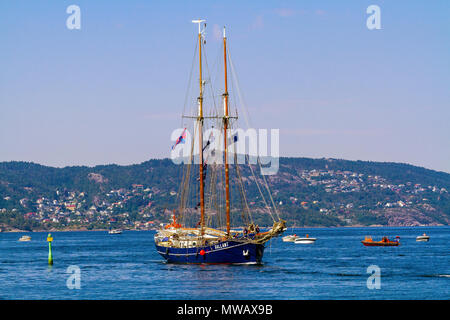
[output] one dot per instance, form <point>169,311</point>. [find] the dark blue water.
<point>127,266</point>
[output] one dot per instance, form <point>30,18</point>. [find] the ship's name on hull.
<point>221,245</point>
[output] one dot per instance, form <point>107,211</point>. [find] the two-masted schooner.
<point>201,243</point>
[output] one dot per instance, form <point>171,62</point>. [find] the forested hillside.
<point>307,192</point>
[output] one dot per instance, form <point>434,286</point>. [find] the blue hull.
<point>239,252</point>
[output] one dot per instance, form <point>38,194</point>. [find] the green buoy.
<point>50,257</point>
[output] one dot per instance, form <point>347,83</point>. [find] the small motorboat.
<point>385,242</point>
<point>423,238</point>
<point>290,238</point>
<point>115,231</point>
<point>25,238</point>
<point>305,240</point>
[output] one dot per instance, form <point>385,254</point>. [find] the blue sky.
<point>113,91</point>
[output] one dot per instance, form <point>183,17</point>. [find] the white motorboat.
<point>423,237</point>
<point>25,238</point>
<point>290,238</point>
<point>115,231</point>
<point>305,240</point>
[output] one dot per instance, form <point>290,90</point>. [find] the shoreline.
<point>293,227</point>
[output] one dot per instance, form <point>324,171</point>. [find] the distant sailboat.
<point>200,243</point>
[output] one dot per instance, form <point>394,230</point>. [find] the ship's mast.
<point>225,129</point>
<point>200,127</point>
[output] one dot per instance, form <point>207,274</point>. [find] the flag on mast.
<point>181,139</point>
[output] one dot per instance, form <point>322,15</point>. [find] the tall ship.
<point>212,194</point>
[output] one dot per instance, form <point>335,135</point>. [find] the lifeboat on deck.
<point>385,242</point>
<point>173,224</point>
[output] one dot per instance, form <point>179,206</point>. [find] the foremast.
<point>200,127</point>
<point>225,133</point>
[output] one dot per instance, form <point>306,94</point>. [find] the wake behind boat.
<point>207,192</point>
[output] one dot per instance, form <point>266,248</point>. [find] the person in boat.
<point>245,232</point>
<point>252,233</point>
<point>257,229</point>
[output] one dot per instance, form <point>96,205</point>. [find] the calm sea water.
<point>127,266</point>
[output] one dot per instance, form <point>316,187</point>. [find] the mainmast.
<point>200,127</point>
<point>225,129</point>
